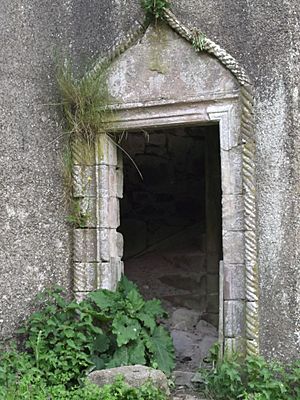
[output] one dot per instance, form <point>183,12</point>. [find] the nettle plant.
<point>66,340</point>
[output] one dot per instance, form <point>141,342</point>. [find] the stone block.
<point>233,212</point>
<point>234,318</point>
<point>212,318</point>
<point>120,182</point>
<point>213,303</point>
<point>110,273</point>
<point>234,282</point>
<point>231,164</point>
<point>134,375</point>
<point>88,208</point>
<point>120,244</point>
<point>108,212</point>
<point>136,142</point>
<point>111,244</point>
<point>106,151</point>
<point>85,245</point>
<point>233,247</point>
<point>84,181</point>
<point>185,319</point>
<point>102,177</point>
<point>157,139</point>
<point>235,346</point>
<point>79,296</point>
<point>212,283</point>
<point>86,276</point>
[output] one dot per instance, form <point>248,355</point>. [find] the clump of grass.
<point>84,103</point>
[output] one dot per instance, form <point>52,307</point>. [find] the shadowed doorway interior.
<point>164,221</point>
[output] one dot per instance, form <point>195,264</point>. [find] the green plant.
<point>119,390</point>
<point>84,105</point>
<point>133,334</point>
<point>61,338</point>
<point>199,40</point>
<point>65,340</point>
<point>155,8</point>
<point>251,379</point>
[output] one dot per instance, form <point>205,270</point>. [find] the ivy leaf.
<point>161,347</point>
<point>125,329</point>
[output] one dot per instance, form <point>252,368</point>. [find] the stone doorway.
<point>171,222</point>
<point>146,96</point>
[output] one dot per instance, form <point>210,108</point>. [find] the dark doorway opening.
<point>165,219</point>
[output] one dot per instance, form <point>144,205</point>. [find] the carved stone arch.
<point>228,101</point>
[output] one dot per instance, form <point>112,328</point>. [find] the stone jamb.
<point>225,112</point>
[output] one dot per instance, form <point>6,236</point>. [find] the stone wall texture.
<point>35,240</point>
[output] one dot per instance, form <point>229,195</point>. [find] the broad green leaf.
<point>98,362</point>
<point>101,343</point>
<point>134,301</point>
<point>125,286</point>
<point>161,347</point>
<point>104,299</point>
<point>119,358</point>
<point>125,329</point>
<point>147,320</point>
<point>154,308</point>
<point>136,352</point>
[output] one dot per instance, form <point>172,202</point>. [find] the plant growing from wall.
<point>154,9</point>
<point>84,106</point>
<point>199,39</point>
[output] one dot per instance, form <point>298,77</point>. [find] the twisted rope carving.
<point>247,132</point>
<point>136,31</point>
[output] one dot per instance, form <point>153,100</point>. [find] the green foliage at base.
<point>65,340</point>
<point>29,385</point>
<point>251,379</point>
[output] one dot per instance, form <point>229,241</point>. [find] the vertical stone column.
<point>233,229</point>
<point>98,247</point>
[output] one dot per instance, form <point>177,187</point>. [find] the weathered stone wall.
<point>263,36</point>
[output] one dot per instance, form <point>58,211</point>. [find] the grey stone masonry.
<point>98,247</point>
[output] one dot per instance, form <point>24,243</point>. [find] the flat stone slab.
<point>134,375</point>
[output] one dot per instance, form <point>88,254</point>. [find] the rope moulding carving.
<point>249,149</point>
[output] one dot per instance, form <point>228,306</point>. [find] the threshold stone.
<point>134,375</point>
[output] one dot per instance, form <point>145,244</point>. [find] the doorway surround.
<point>98,249</point>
